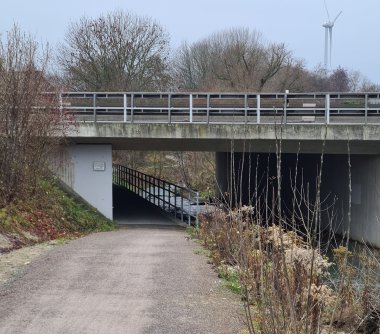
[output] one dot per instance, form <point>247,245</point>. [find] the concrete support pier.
<point>365,195</point>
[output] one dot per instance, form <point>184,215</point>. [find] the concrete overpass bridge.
<point>239,128</point>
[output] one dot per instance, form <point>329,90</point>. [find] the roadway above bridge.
<point>309,138</point>
<point>222,122</point>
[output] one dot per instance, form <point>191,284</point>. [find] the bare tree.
<point>234,60</point>
<point>357,82</point>
<point>322,80</point>
<point>369,86</point>
<point>192,66</point>
<point>117,51</point>
<point>29,119</point>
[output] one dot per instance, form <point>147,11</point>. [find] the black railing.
<point>181,202</point>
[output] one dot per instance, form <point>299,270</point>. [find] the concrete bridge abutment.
<point>87,170</point>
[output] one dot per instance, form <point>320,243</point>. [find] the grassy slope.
<point>50,214</point>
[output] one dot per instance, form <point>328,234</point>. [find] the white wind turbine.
<point>328,25</point>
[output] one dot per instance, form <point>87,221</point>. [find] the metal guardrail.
<point>182,203</point>
<point>254,108</point>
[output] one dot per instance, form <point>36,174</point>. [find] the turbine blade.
<point>337,17</point>
<point>327,11</point>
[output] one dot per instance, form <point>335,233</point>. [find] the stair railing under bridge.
<point>182,203</point>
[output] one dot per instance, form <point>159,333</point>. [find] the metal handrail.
<point>200,107</point>
<point>172,198</point>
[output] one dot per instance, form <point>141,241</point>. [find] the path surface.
<point>129,209</point>
<point>142,279</point>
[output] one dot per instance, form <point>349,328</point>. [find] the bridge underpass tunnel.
<point>131,209</point>
<point>243,177</point>
<point>174,181</point>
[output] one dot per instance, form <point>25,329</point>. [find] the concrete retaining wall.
<point>87,169</point>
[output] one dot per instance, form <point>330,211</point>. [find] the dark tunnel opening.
<point>253,179</point>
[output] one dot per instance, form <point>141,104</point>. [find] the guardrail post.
<point>285,107</point>
<point>245,108</point>
<point>169,108</point>
<point>191,108</point>
<point>94,105</point>
<point>137,184</point>
<point>169,199</point>
<point>163,194</point>
<point>132,106</point>
<point>151,189</point>
<point>125,104</point>
<point>208,108</point>
<point>258,107</point>
<point>142,185</point>
<point>156,193</point>
<point>366,109</point>
<point>139,180</point>
<point>327,108</point>
<point>159,194</point>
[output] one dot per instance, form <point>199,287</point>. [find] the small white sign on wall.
<point>99,166</point>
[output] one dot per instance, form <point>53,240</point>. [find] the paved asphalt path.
<point>139,279</point>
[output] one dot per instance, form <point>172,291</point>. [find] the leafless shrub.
<point>288,284</point>
<point>29,119</point>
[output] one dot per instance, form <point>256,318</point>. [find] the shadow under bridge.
<point>145,199</point>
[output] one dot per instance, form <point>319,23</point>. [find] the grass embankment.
<point>51,213</point>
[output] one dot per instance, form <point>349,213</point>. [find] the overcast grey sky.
<point>297,23</point>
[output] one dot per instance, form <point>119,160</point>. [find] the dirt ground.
<point>142,279</point>
<point>13,263</point>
